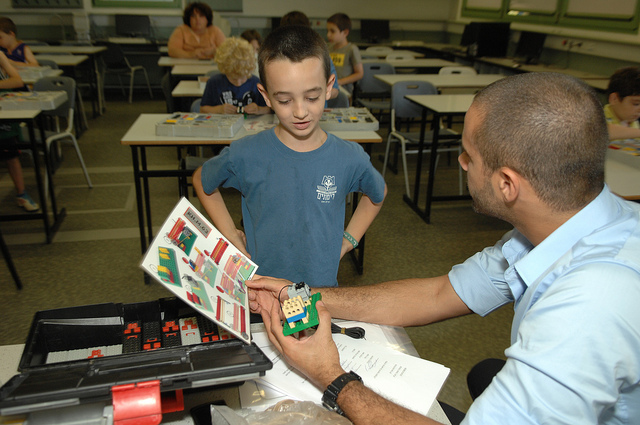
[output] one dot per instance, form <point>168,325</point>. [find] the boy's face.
<point>626,109</point>
<point>296,91</point>
<point>334,35</point>
<point>6,39</point>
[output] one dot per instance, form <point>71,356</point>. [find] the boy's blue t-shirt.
<point>293,203</point>
<point>219,91</point>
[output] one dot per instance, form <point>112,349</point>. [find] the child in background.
<point>345,56</point>
<point>234,90</point>
<point>255,39</point>
<point>10,133</point>
<point>623,110</point>
<point>294,178</point>
<point>296,17</point>
<point>18,53</point>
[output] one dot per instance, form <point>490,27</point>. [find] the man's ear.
<point>263,91</point>
<point>508,184</point>
<point>332,78</point>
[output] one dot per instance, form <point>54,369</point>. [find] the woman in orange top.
<point>197,37</point>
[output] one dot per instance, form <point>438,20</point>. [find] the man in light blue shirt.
<point>534,148</point>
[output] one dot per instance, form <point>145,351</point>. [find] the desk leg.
<point>36,165</point>
<point>136,179</point>
<point>432,167</point>
<point>147,200</point>
<point>413,203</point>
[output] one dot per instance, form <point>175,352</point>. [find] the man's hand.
<point>264,292</point>
<point>315,356</point>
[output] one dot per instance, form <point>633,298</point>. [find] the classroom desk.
<point>600,84</point>
<point>370,54</point>
<point>441,106</point>
<point>188,88</point>
<point>169,61</point>
<point>433,65</point>
<point>447,82</point>
<point>192,70</point>
<point>396,337</point>
<point>93,52</point>
<point>141,135</point>
<point>511,64</point>
<point>30,77</point>
<point>30,117</point>
<point>622,174</point>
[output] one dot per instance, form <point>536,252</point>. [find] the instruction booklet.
<point>194,261</point>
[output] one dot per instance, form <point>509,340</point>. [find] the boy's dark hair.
<point>340,20</point>
<point>251,35</point>
<point>625,82</point>
<point>295,18</point>
<point>294,43</point>
<point>7,26</point>
<point>204,10</point>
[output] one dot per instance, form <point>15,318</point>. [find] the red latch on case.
<point>137,404</point>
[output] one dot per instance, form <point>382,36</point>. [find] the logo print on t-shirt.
<point>327,191</point>
<point>338,59</point>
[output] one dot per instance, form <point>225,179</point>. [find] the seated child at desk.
<point>623,110</point>
<point>18,53</point>
<point>294,178</point>
<point>234,90</point>
<point>10,79</point>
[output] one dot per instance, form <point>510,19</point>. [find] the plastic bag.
<point>291,412</point>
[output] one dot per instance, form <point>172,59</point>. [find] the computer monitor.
<point>374,30</point>
<point>529,47</point>
<point>133,26</point>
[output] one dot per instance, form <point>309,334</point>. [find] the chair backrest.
<point>114,57</point>
<point>400,56</point>
<point>66,84</point>
<point>341,101</point>
<point>465,70</point>
<point>48,62</point>
<point>371,85</point>
<point>195,105</point>
<point>378,50</point>
<point>403,107</point>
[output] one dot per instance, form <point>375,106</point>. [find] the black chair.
<point>116,62</point>
<point>340,101</point>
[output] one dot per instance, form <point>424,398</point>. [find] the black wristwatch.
<point>330,396</point>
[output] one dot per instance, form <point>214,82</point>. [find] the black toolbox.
<point>123,352</point>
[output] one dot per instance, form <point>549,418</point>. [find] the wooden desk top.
<point>371,54</point>
<point>73,50</point>
<point>510,63</point>
<point>143,133</point>
<point>622,174</point>
<point>415,63</point>
<point>444,103</point>
<point>199,69</point>
<point>169,61</point>
<point>64,60</point>
<point>440,81</point>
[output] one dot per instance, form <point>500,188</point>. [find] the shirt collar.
<point>596,214</point>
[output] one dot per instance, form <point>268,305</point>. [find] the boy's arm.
<point>255,109</point>
<point>358,73</point>
<point>361,220</point>
<point>13,80</point>
<point>219,214</point>
<point>617,132</point>
<point>176,45</point>
<point>225,108</point>
<point>30,57</point>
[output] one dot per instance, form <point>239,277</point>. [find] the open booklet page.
<point>194,261</point>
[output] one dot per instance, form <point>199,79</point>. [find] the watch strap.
<point>330,395</point>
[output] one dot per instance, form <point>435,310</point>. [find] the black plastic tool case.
<point>42,385</point>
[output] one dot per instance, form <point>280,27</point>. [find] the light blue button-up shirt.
<point>575,340</point>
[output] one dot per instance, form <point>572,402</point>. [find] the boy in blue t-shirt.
<point>294,178</point>
<point>235,90</point>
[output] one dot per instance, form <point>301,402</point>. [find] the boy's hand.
<point>230,109</point>
<point>264,292</point>
<point>251,108</point>
<point>316,356</point>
